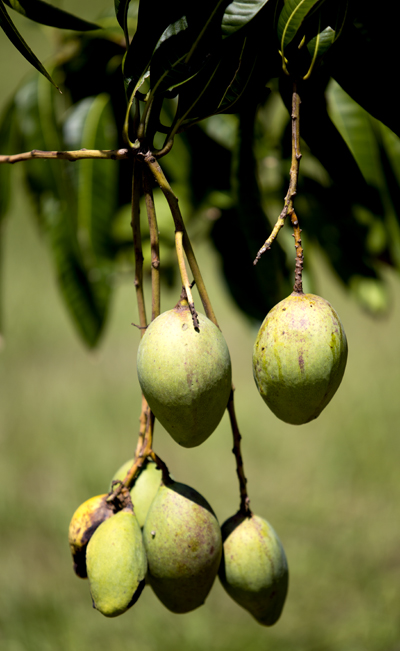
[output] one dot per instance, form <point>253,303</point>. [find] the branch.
<point>79,154</point>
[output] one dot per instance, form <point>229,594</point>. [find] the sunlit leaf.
<point>238,13</point>
<point>47,14</point>
<point>293,14</point>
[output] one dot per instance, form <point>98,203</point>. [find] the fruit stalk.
<point>154,244</point>
<point>185,279</point>
<point>298,270</point>
<point>293,174</point>
<point>172,200</point>
<point>244,498</point>
<point>137,244</point>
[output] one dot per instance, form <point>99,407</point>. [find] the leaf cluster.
<point>220,74</point>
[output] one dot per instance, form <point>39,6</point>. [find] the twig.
<point>294,174</point>
<point>244,498</point>
<point>79,154</point>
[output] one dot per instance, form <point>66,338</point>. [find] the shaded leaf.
<point>16,39</point>
<point>121,12</point>
<point>90,123</point>
<point>55,203</point>
<point>47,14</point>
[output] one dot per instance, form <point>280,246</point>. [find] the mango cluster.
<point>166,535</point>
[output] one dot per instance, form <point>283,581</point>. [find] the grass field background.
<point>69,419</point>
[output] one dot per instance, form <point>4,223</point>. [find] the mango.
<point>87,517</point>
<point>116,564</point>
<point>299,357</point>
<point>254,570</point>
<point>185,374</point>
<point>183,544</point>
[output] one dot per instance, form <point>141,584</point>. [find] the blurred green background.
<point>69,419</point>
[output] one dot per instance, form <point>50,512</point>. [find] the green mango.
<point>185,374</point>
<point>254,570</point>
<point>116,564</point>
<point>299,357</point>
<point>183,544</point>
<point>144,489</point>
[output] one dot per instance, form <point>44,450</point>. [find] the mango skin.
<point>185,375</point>
<point>183,544</point>
<point>254,570</point>
<point>116,564</point>
<point>299,357</point>
<point>144,489</point>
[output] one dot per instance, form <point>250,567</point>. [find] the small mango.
<point>183,544</point>
<point>254,570</point>
<point>185,374</point>
<point>144,489</point>
<point>116,564</point>
<point>299,357</point>
<point>87,517</point>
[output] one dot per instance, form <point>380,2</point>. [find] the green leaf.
<point>291,18</point>
<point>238,14</point>
<point>16,39</point>
<point>56,205</point>
<point>355,126</point>
<point>90,123</point>
<point>46,14</point>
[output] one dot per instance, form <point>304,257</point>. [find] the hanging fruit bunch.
<point>196,61</point>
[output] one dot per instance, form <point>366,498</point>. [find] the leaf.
<point>291,18</point>
<point>55,202</point>
<point>363,53</point>
<point>355,126</point>
<point>90,123</point>
<point>121,12</point>
<point>46,14</point>
<point>8,145</point>
<point>238,14</point>
<point>16,39</point>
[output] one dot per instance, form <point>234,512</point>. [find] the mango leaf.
<point>153,20</point>
<point>55,203</point>
<point>46,14</point>
<point>291,18</point>
<point>355,126</point>
<point>238,14</point>
<point>90,123</point>
<point>121,12</point>
<point>9,144</point>
<point>16,39</point>
<point>364,52</point>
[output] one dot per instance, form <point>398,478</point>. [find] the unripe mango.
<point>116,564</point>
<point>144,489</point>
<point>254,569</point>
<point>299,357</point>
<point>185,374</point>
<point>183,544</point>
